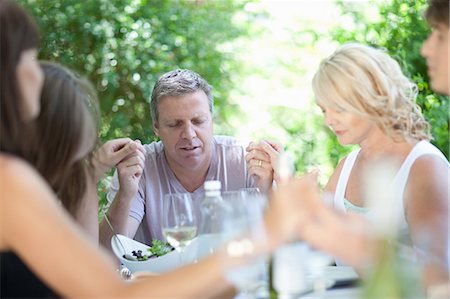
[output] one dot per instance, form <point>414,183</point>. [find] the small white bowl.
<point>160,264</point>
<point>194,251</point>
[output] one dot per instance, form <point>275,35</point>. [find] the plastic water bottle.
<point>214,211</point>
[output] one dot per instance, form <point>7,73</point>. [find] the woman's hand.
<point>261,162</point>
<point>130,170</point>
<point>114,152</point>
<point>292,205</point>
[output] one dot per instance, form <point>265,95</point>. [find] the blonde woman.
<point>367,101</point>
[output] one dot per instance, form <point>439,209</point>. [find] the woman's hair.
<point>437,12</point>
<point>369,83</point>
<point>68,117</point>
<point>18,33</point>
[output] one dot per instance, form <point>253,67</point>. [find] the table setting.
<point>298,272</point>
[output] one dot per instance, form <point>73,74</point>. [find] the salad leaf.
<point>160,248</point>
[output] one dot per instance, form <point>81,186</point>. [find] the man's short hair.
<point>437,12</point>
<point>177,83</point>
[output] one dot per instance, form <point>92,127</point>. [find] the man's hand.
<point>261,162</point>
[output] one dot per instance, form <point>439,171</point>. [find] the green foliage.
<point>123,46</point>
<point>401,30</point>
<point>307,138</point>
<point>393,276</point>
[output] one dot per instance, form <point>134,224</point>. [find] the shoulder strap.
<point>420,149</point>
<point>343,179</point>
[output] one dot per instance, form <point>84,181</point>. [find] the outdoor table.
<point>345,284</point>
<point>350,292</point>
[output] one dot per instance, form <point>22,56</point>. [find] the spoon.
<point>125,255</point>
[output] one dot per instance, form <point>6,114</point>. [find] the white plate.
<point>338,273</point>
<point>194,251</point>
<point>160,264</point>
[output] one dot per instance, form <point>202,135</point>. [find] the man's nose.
<point>188,132</point>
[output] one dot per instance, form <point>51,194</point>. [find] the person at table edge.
<point>187,155</point>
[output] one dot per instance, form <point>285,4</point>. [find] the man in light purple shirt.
<point>187,155</point>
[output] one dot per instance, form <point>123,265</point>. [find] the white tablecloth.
<point>337,274</point>
<point>344,293</point>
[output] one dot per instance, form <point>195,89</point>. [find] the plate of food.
<point>161,257</point>
<point>137,257</point>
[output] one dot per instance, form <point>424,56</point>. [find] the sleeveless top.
<point>18,281</point>
<point>400,180</point>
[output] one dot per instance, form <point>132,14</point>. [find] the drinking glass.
<point>179,221</point>
<point>231,196</point>
<point>256,194</point>
<point>250,191</point>
<point>245,224</point>
<point>289,263</point>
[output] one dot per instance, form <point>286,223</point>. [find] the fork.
<point>125,273</point>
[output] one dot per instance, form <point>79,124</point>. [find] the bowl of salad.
<point>158,258</point>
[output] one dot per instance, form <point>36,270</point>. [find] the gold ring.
<point>259,163</point>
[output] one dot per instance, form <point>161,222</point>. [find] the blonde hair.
<point>369,83</point>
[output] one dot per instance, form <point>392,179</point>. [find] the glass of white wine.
<point>179,221</point>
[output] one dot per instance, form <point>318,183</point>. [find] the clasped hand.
<point>261,162</point>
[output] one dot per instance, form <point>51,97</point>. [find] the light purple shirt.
<point>228,165</point>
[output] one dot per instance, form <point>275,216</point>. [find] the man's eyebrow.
<point>200,116</point>
<point>172,120</point>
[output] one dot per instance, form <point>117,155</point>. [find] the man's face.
<point>186,129</point>
<point>435,50</point>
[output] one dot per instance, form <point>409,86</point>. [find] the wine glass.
<point>250,191</point>
<point>179,221</point>
<point>245,226</point>
<point>256,194</point>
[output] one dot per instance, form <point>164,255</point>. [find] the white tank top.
<point>400,180</point>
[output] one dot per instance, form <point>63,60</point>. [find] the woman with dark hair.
<point>66,132</point>
<point>42,250</point>
<point>18,45</point>
<point>20,85</point>
<point>64,141</point>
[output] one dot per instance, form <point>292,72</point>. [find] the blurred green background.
<point>259,56</point>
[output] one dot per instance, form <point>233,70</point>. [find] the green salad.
<point>158,248</point>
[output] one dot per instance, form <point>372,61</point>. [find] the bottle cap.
<point>212,185</point>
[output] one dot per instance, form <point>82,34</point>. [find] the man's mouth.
<point>190,148</point>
